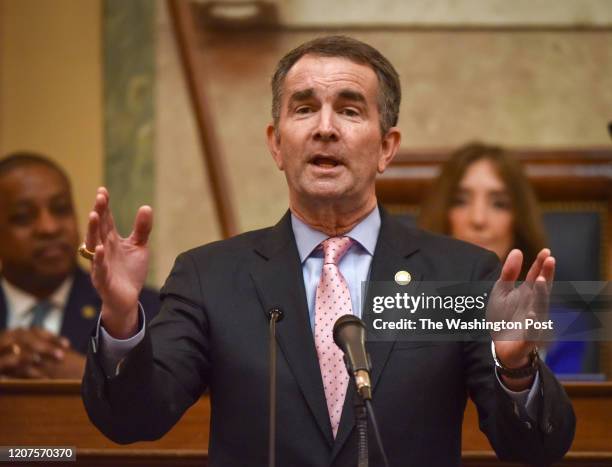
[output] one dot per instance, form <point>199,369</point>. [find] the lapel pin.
<point>403,277</point>
<point>88,312</point>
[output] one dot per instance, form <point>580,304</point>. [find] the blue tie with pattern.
<point>39,313</point>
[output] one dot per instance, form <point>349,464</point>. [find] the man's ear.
<point>390,144</point>
<point>274,145</point>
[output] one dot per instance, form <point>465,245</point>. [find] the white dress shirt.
<point>19,305</point>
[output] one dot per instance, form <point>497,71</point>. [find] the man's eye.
<point>303,110</point>
<point>349,112</point>
<point>21,218</point>
<point>62,209</point>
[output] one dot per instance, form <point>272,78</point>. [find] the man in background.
<point>47,303</point>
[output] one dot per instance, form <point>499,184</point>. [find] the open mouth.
<point>325,162</point>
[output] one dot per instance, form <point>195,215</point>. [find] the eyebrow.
<point>303,95</point>
<point>351,95</point>
<point>347,94</point>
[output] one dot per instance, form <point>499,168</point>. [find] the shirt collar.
<point>365,233</point>
<point>20,302</point>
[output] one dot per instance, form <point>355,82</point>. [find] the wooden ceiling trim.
<point>190,50</point>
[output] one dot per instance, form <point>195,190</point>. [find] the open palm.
<point>120,265</point>
<point>518,304</point>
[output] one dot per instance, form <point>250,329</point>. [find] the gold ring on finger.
<point>85,253</point>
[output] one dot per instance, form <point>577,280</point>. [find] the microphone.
<point>349,335</point>
<point>275,314</point>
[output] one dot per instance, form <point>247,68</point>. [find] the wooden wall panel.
<point>52,413</point>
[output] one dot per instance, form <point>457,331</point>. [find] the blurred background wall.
<point>75,74</point>
<point>51,86</point>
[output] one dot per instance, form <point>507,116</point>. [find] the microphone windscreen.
<point>348,328</point>
<point>349,334</point>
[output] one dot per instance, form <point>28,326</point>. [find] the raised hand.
<point>528,301</point>
<point>119,266</point>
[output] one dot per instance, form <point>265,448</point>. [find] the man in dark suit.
<point>48,305</point>
<point>335,107</point>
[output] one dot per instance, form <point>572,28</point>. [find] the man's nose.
<point>47,223</point>
<point>326,129</point>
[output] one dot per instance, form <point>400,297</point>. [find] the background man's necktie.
<point>333,300</point>
<point>39,313</point>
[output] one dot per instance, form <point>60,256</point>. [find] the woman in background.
<point>482,196</point>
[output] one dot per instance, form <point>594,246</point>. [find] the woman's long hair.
<point>527,223</point>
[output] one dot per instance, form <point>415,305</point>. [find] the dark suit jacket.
<point>212,333</point>
<point>82,309</point>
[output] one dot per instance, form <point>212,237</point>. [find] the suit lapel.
<point>396,250</point>
<point>278,278</point>
<point>80,312</point>
<point>3,311</point>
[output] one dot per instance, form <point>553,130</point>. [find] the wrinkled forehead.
<point>332,74</point>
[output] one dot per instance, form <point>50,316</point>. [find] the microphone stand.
<point>363,410</point>
<point>275,315</point>
<point>361,425</point>
<point>370,411</point>
<point>349,336</point>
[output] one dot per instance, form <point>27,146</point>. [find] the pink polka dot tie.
<point>333,300</point>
